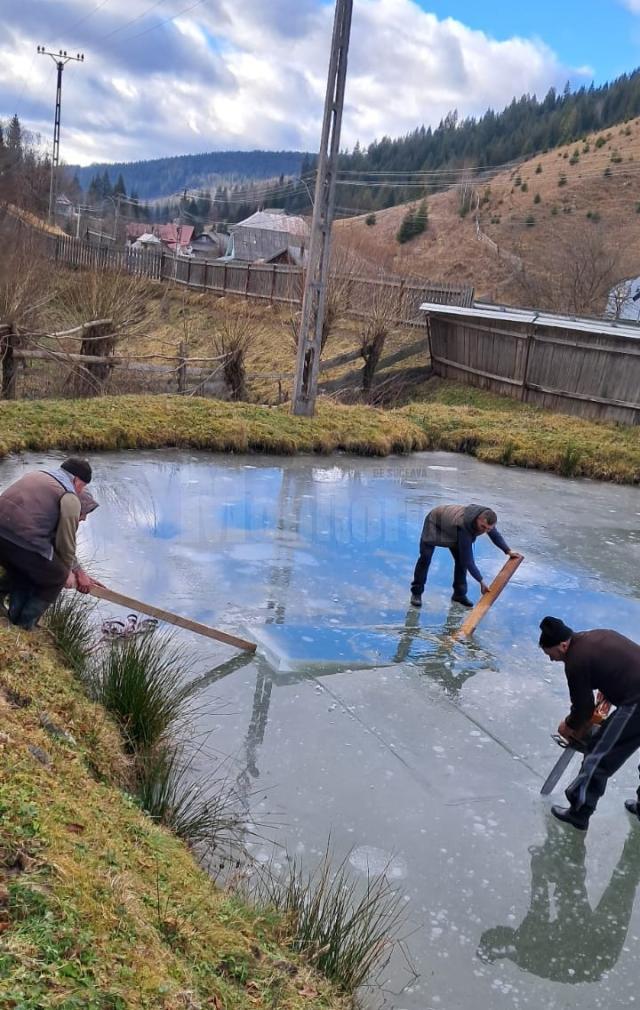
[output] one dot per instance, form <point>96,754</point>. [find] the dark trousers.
<point>31,573</point>
<point>422,568</point>
<point>614,743</point>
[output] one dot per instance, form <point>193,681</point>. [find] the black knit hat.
<point>552,632</point>
<point>78,467</point>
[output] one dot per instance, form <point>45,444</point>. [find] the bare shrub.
<point>233,334</point>
<point>25,274</point>
<point>337,297</point>
<point>104,307</point>
<point>375,328</point>
<point>101,294</point>
<point>577,273</point>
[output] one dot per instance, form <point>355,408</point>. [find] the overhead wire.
<point>152,28</point>
<point>85,17</point>
<point>132,21</point>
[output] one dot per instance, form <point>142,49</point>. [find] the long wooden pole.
<point>485,602</point>
<point>305,387</point>
<point>165,615</point>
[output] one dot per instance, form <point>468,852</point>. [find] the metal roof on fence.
<point>507,314</point>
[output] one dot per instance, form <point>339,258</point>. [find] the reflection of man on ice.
<point>602,661</point>
<point>565,939</point>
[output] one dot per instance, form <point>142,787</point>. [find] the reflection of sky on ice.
<point>372,724</point>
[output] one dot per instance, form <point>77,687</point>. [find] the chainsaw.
<point>575,745</point>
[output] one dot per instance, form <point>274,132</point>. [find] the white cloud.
<point>632,5</point>
<point>253,75</point>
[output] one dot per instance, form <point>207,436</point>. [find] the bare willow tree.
<point>109,307</point>
<point>234,332</point>
<point>25,275</point>
<point>379,320</point>
<point>337,299</point>
<point>576,274</point>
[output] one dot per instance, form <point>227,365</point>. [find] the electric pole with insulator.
<point>315,289</point>
<point>61,58</point>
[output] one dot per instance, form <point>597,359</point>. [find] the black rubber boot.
<point>33,609</point>
<point>464,601</point>
<point>416,601</point>
<point>17,601</point>
<point>570,816</point>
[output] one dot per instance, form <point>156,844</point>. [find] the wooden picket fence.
<point>271,282</point>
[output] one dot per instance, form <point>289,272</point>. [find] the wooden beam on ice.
<point>165,615</point>
<point>485,602</point>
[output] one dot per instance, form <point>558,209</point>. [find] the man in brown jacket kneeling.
<point>39,516</point>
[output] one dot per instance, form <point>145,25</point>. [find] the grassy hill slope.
<point>525,211</point>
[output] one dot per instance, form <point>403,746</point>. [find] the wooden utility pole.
<point>315,289</point>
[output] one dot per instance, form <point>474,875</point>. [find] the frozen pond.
<point>367,723</point>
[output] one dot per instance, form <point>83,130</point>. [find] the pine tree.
<point>421,219</point>
<point>406,230</point>
<point>14,137</point>
<point>120,189</point>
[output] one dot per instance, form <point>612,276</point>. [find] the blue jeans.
<point>422,568</point>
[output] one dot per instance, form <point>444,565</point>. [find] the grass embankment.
<point>99,907</point>
<point>444,415</point>
<point>139,422</point>
<point>498,429</point>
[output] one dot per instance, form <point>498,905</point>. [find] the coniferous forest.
<point>525,127</point>
<point>227,186</point>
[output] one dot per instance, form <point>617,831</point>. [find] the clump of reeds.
<point>69,620</point>
<point>344,928</point>
<point>141,681</point>
<point>207,817</point>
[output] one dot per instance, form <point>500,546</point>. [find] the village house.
<point>269,236</point>
<point>209,244</point>
<point>176,238</point>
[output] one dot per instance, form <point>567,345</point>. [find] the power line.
<point>185,10</point>
<point>85,17</point>
<point>132,21</point>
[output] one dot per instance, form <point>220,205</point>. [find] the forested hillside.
<point>167,176</point>
<point>525,127</point>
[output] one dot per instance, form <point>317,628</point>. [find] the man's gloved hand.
<point>484,587</point>
<point>515,554</point>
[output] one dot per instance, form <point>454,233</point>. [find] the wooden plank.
<point>102,593</point>
<point>582,396</point>
<point>488,599</point>
<point>438,360</point>
<point>601,348</point>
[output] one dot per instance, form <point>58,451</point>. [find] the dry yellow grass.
<point>450,251</point>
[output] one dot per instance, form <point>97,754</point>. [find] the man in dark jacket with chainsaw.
<point>604,661</point>
<point>39,516</point>
<point>456,527</point>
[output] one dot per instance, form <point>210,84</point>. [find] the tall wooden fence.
<point>586,367</point>
<point>267,281</point>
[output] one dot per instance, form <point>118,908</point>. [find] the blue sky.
<point>603,34</point>
<point>166,77</point>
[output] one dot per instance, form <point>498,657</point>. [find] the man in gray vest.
<point>456,527</point>
<point>39,516</point>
